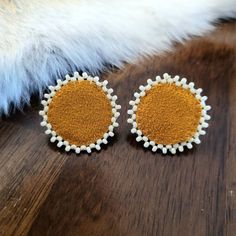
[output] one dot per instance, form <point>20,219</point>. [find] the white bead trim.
<point>173,148</point>
<point>60,141</point>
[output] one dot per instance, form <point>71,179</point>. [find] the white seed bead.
<point>132,103</point>
<point>73,147</point>
<point>164,150</point>
<point>137,95</point>
<point>205,125</point>
<point>145,139</point>
<point>48,131</point>
<point>117,114</point>
<point>146,144</point>
<point>110,90</point>
<point>149,81</point>
<point>66,143</point>
<point>130,120</point>
<point>88,149</point>
<point>183,81</point>
<point>41,113</point>
<point>99,141</point>
<point>49,126</point>
<point>141,87</point>
<point>45,108</point>
<point>84,74</point>
<point>176,78</point>
<point>154,148</point>
<point>59,144</point>
<point>118,107</point>
<point>191,85</point>
<point>67,148</point>
<point>173,150</point>
<point>181,149</point>
<point>59,138</point>
<point>142,94</point>
<point>83,147</point>
<point>202,132</point>
<point>139,138</point>
<point>53,139</point>
<point>152,143</point>
<point>51,88</point>
<point>197,141</point>
<point>76,74</point>
<point>67,77</point>
<point>90,78</point>
<point>207,108</point>
<point>46,95</point>
<point>130,112</point>
<point>104,141</point>
<point>158,78</point>
<point>104,89</point>
<point>133,130</point>
<point>139,132</point>
<point>207,117</point>
<point>176,145</point>
<point>92,145</point>
<point>111,127</point>
<point>114,98</point>
<point>113,104</point>
<point>98,147</point>
<point>178,83</point>
<point>43,123</point>
<point>115,124</point>
<point>43,102</point>
<point>189,146</point>
<point>105,82</point>
<point>111,134</point>
<point>77,150</point>
<point>198,91</point>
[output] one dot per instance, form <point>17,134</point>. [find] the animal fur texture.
<point>41,40</point>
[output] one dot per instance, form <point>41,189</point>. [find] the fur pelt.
<point>43,40</point>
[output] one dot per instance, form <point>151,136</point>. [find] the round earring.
<point>80,113</point>
<point>168,114</point>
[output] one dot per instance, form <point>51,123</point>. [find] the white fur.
<point>42,40</point>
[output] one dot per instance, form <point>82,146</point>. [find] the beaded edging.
<point>172,147</point>
<point>55,137</point>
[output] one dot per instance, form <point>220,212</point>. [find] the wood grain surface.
<point>124,189</point>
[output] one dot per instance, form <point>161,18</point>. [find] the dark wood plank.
<point>28,168</point>
<point>124,189</point>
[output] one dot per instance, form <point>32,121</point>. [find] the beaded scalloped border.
<point>173,147</point>
<point>55,137</point>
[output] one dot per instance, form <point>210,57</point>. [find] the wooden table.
<point>124,189</point>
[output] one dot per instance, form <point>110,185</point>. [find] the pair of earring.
<point>81,112</point>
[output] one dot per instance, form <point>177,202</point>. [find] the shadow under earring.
<point>80,113</point>
<point>168,114</point>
